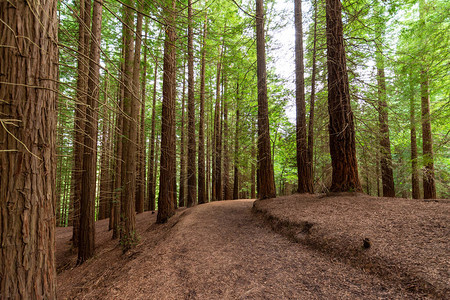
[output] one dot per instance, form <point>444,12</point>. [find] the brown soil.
<point>223,251</point>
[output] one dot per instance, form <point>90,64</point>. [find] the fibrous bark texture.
<point>341,127</point>
<point>28,93</point>
<point>265,175</point>
<point>167,168</point>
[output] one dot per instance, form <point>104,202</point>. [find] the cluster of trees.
<point>112,108</point>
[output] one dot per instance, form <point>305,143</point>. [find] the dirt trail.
<point>222,251</point>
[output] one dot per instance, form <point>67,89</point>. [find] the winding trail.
<point>221,250</point>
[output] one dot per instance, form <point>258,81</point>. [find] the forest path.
<point>221,250</point>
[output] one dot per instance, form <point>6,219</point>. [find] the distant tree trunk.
<point>140,194</point>
<point>236,148</point>
<point>182,194</point>
<point>135,107</point>
<point>414,165</point>
<point>228,192</point>
<point>104,161</point>
<point>151,159</point>
<point>266,181</point>
<point>341,127</point>
<point>429,186</point>
<point>191,172</point>
<point>387,174</point>
<point>304,180</point>
<point>80,114</point>
<point>167,172</point>
<point>312,103</point>
<point>86,246</point>
<point>217,163</point>
<point>27,149</point>
<point>253,166</point>
<point>202,192</point>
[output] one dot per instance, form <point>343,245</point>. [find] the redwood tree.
<point>341,126</point>
<point>265,177</point>
<point>28,77</point>
<point>167,175</point>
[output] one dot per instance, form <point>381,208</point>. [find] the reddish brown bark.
<point>182,194</point>
<point>151,180</point>
<point>414,165</point>
<point>86,245</point>
<point>265,175</point>
<point>191,171</point>
<point>28,94</point>
<point>167,176</point>
<point>202,192</point>
<point>303,174</point>
<point>341,127</point>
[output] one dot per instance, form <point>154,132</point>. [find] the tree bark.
<point>86,246</point>
<point>341,127</point>
<point>151,159</point>
<point>312,104</point>
<point>167,169</point>
<point>80,115</point>
<point>414,165</point>
<point>182,194</point>
<point>104,161</point>
<point>28,94</point>
<point>303,174</point>
<point>228,192</point>
<point>191,172</point>
<point>217,178</point>
<point>236,148</point>
<point>202,192</point>
<point>387,173</point>
<point>266,181</point>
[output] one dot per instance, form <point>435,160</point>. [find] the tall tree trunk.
<point>253,167</point>
<point>140,194</point>
<point>202,191</point>
<point>304,180</point>
<point>387,174</point>
<point>228,193</point>
<point>131,107</point>
<point>429,186</point>
<point>236,148</point>
<point>312,104</point>
<point>80,115</point>
<point>217,178</point>
<point>414,164</point>
<point>266,181</point>
<point>191,172</point>
<point>27,148</point>
<point>104,160</point>
<point>136,106</point>
<point>86,246</point>
<point>182,194</point>
<point>167,169</point>
<point>151,181</point>
<point>341,127</point>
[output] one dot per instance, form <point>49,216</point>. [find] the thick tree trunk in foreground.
<point>86,245</point>
<point>266,181</point>
<point>167,175</point>
<point>387,173</point>
<point>341,127</point>
<point>202,191</point>
<point>27,149</point>
<point>303,174</point>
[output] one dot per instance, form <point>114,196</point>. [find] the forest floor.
<point>224,250</point>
